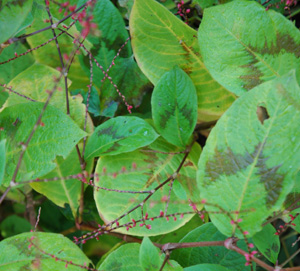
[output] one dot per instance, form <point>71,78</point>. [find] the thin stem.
<point>4,194</point>
<point>290,258</point>
<point>61,60</point>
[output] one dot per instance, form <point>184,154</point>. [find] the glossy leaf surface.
<point>118,135</point>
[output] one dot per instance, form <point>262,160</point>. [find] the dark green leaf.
<point>13,225</point>
<point>268,243</point>
<point>94,101</point>
<point>174,107</point>
<point>210,255</point>
<point>131,82</point>
<point>118,135</point>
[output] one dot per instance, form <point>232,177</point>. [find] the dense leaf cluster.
<point>173,125</point>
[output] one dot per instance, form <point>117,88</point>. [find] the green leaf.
<point>2,159</point>
<point>174,107</point>
<point>63,191</point>
<point>58,136</point>
<point>243,45</point>
<point>94,101</point>
<point>130,80</point>
<point>206,267</point>
<point>13,225</point>
<point>125,258</point>
<point>112,34</point>
<point>177,235</point>
<point>238,163</point>
<point>209,255</point>
<point>35,83</point>
<point>48,54</point>
<point>149,255</point>
<point>11,69</point>
<point>205,3</point>
<point>118,135</point>
<point>12,15</point>
<point>144,170</point>
<point>16,254</point>
<point>268,243</point>
<point>160,41</point>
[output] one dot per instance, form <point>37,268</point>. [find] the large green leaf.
<point>160,41</point>
<point>35,83</point>
<point>174,107</point>
<point>243,45</point>
<point>250,162</point>
<point>12,15</point>
<point>118,135</point>
<point>268,243</point>
<point>16,254</point>
<point>209,255</point>
<point>58,136</point>
<point>139,171</point>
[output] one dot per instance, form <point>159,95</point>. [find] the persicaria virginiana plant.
<point>149,135</point>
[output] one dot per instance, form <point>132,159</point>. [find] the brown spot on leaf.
<point>229,163</point>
